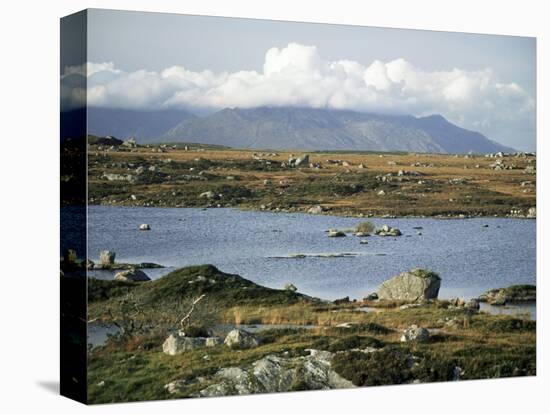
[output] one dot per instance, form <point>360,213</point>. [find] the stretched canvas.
<point>255,206</point>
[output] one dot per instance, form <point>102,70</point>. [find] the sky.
<point>485,83</point>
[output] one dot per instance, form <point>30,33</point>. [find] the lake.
<point>469,257</point>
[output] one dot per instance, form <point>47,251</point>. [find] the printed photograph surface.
<point>279,206</point>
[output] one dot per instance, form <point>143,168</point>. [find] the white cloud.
<point>296,75</point>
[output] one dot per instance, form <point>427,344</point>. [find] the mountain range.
<point>280,128</point>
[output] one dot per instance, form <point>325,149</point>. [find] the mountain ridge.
<point>327,129</point>
<point>293,128</point>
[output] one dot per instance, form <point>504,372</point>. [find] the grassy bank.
<point>463,343</point>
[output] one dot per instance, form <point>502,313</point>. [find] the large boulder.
<point>177,344</point>
<point>107,257</point>
<point>240,339</point>
<point>415,285</point>
<point>272,373</point>
<point>132,275</point>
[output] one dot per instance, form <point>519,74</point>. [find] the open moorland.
<point>350,183</point>
<point>169,345</point>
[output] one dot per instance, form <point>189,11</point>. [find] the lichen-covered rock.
<point>272,373</point>
<point>416,334</point>
<point>177,344</point>
<point>240,339</point>
<point>132,275</point>
<point>415,285</point>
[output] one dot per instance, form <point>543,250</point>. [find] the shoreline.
<point>326,213</point>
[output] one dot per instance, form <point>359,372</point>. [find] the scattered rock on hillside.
<point>240,339</point>
<point>298,161</point>
<point>415,333</point>
<point>415,285</point>
<point>132,275</point>
<point>177,344</point>
<point>272,373</point>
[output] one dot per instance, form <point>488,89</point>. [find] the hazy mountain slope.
<point>323,129</point>
<point>145,126</point>
<point>458,140</point>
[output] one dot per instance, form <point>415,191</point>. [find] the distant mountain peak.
<point>295,128</point>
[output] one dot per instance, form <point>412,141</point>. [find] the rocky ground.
<point>354,184</point>
<point>162,353</point>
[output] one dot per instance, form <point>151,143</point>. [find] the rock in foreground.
<point>415,285</point>
<point>272,373</point>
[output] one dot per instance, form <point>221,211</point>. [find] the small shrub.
<point>196,331</point>
<point>385,367</point>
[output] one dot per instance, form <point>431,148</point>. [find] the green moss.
<point>424,273</point>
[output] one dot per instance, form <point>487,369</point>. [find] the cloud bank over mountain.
<point>297,75</point>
